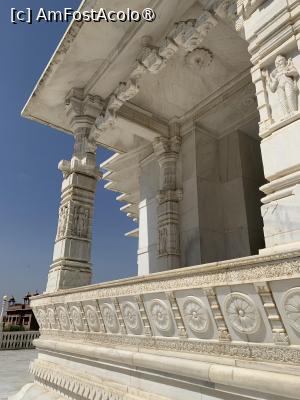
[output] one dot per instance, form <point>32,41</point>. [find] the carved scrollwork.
<point>152,60</point>
<point>110,318</point>
<point>131,317</point>
<point>161,315</point>
<point>42,319</point>
<point>242,313</point>
<point>195,314</point>
<point>63,318</point>
<point>189,34</point>
<point>291,304</point>
<point>92,318</point>
<point>226,10</point>
<point>51,317</point>
<point>76,316</point>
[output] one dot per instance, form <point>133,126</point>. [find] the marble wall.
<point>220,208</point>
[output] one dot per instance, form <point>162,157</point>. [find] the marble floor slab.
<point>14,366</point>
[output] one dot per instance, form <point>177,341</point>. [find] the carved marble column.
<point>71,265</point>
<point>167,152</point>
<point>270,28</point>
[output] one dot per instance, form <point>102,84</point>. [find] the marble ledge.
<point>214,274</point>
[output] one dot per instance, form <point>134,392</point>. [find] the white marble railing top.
<point>245,269</point>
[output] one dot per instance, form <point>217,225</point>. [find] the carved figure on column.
<point>162,241</point>
<point>283,81</point>
<point>62,221</point>
<point>80,223</point>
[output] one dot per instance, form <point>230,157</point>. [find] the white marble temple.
<point>201,107</point>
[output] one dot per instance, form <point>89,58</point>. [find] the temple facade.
<point>201,109</point>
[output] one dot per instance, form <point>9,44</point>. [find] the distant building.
<point>20,315</point>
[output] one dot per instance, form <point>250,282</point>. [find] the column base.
<point>68,274</point>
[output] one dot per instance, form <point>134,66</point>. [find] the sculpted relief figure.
<point>283,81</point>
<point>80,226</point>
<point>62,222</point>
<point>162,240</point>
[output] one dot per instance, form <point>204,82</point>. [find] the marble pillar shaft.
<point>167,152</point>
<point>72,249</point>
<point>71,265</point>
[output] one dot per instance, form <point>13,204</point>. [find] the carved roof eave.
<point>63,46</point>
<point>187,34</point>
<point>118,162</point>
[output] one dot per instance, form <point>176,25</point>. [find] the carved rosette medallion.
<point>131,317</point>
<point>51,318</point>
<point>291,305</point>
<point>195,314</point>
<point>42,319</point>
<point>242,313</point>
<point>110,318</point>
<point>202,58</point>
<point>76,316</point>
<point>92,318</point>
<point>161,315</point>
<point>63,318</point>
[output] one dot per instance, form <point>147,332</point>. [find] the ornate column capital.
<point>167,153</point>
<point>82,111</point>
<point>164,147</point>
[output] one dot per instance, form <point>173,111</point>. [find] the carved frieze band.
<point>187,307</point>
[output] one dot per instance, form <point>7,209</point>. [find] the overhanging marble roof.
<point>96,56</point>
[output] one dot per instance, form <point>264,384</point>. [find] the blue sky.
<point>30,180</point>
